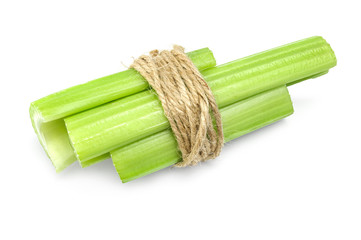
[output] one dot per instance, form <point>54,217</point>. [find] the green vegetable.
<point>118,115</point>
<point>103,129</point>
<point>47,113</point>
<point>161,150</point>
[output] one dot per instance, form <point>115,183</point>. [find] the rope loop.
<point>188,103</point>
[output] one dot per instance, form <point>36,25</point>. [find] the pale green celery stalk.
<point>47,113</point>
<point>106,89</point>
<point>161,150</point>
<point>105,128</point>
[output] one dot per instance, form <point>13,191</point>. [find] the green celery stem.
<point>106,89</point>
<point>161,150</point>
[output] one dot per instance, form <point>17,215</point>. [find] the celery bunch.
<point>119,116</point>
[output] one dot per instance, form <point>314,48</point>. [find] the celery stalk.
<point>160,150</point>
<point>105,128</point>
<point>47,113</point>
<point>94,93</point>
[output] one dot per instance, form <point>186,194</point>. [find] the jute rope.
<point>187,101</point>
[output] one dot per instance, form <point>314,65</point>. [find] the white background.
<point>297,179</point>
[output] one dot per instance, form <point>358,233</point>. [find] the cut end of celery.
<point>53,136</point>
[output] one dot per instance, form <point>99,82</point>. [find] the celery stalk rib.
<point>161,150</point>
<point>108,127</point>
<point>47,113</point>
<point>106,89</point>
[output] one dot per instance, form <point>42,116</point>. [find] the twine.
<point>188,103</point>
